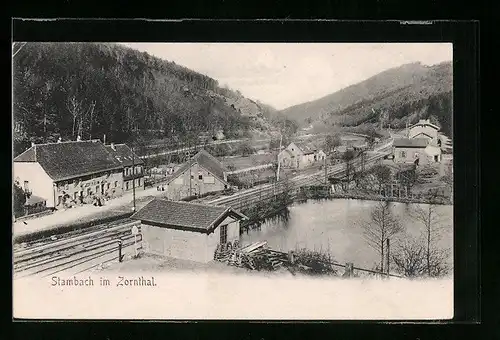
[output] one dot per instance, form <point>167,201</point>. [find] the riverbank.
<point>358,195</point>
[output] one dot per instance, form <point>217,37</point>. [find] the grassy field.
<point>241,162</point>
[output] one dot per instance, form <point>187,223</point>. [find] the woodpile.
<point>255,256</point>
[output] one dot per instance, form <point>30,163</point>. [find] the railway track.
<point>243,199</point>
<point>75,254</point>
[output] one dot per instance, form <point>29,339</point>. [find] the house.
<point>69,172</point>
<point>424,129</point>
<point>320,155</point>
<point>416,150</point>
<point>187,231</point>
<point>201,174</point>
<point>133,166</point>
<point>297,156</point>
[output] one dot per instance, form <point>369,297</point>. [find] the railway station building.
<point>188,231</point>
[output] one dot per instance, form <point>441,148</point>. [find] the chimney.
<point>78,138</point>
<point>59,140</point>
<point>104,139</point>
<point>113,146</point>
<point>32,144</point>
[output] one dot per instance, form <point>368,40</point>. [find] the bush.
<point>317,262</point>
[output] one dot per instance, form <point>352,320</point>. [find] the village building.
<point>133,166</point>
<point>419,151</point>
<point>202,174</point>
<point>188,231</point>
<point>424,129</point>
<point>67,173</point>
<point>299,155</point>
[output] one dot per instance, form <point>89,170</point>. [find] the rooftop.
<point>410,143</point>
<point>425,122</point>
<point>305,148</point>
<point>66,160</point>
<point>199,217</point>
<point>123,154</point>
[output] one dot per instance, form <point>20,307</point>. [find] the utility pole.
<point>133,170</point>
<point>326,171</point>
<point>279,151</point>
<point>388,258</point>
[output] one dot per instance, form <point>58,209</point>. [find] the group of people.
<point>160,188</point>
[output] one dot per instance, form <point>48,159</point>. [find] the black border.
<point>463,34</point>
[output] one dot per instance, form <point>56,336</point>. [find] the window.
<point>403,154</point>
<point>200,177</point>
<point>436,158</point>
<point>223,234</point>
<point>126,185</point>
<point>26,186</point>
<point>108,185</point>
<point>97,189</point>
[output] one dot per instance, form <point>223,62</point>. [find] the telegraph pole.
<point>279,151</point>
<point>133,170</point>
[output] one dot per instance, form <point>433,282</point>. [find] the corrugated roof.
<point>183,214</point>
<point>68,160</point>
<point>205,160</point>
<point>123,153</point>
<point>410,143</point>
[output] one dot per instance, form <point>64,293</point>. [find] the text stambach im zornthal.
<point>119,281</point>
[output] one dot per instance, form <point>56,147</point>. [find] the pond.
<point>336,226</point>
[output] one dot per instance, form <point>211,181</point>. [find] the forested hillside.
<point>397,96</point>
<point>91,90</point>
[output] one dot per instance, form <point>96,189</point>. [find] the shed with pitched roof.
<point>188,231</point>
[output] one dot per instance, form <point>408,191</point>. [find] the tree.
<point>75,108</point>
<point>245,149</point>
<point>428,217</point>
<point>19,198</point>
<point>331,142</point>
<point>382,175</point>
<point>382,226</point>
<point>412,259</point>
<point>348,158</point>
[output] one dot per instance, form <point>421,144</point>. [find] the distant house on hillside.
<point>419,151</point>
<point>69,172</point>
<point>133,166</point>
<point>299,155</point>
<point>201,174</point>
<point>187,231</point>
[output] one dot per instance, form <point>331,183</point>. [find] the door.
<point>102,189</point>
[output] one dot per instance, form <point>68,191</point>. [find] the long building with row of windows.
<point>78,172</point>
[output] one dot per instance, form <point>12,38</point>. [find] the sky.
<point>287,74</point>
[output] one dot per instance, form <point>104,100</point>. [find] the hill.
<point>395,96</point>
<point>96,90</point>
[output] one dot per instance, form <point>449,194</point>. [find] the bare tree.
<point>75,108</point>
<point>428,216</point>
<point>412,259</point>
<point>383,225</point>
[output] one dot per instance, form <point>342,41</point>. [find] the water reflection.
<point>335,226</point>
